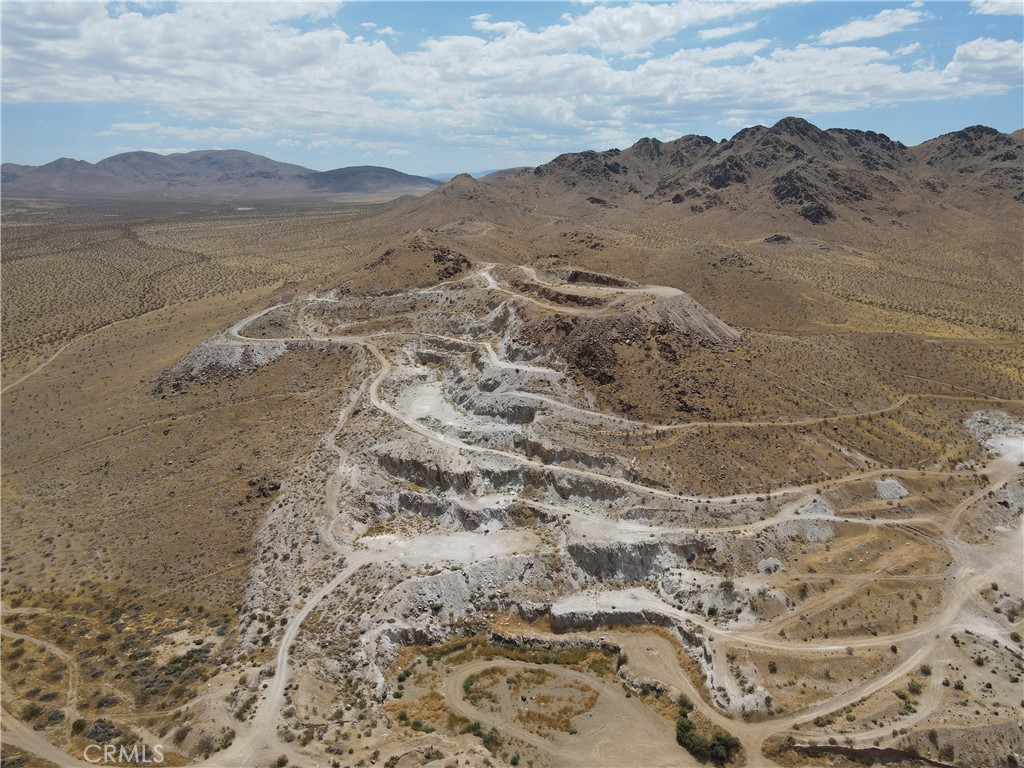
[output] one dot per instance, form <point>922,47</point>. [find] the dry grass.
<point>553,712</point>
<point>796,680</point>
<point>114,493</point>
<point>857,354</point>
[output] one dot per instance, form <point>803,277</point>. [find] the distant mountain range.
<point>205,175</point>
<point>791,171</point>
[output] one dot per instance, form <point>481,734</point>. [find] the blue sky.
<point>442,87</point>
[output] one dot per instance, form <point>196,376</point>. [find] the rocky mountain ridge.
<point>792,169</point>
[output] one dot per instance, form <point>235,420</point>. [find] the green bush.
<point>475,728</point>
<point>492,740</point>
<point>719,749</point>
<point>722,747</point>
<point>685,705</point>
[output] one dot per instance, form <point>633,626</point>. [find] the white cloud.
<point>906,50</point>
<point>482,23</point>
<point>717,32</point>
<point>388,31</point>
<point>621,28</point>
<point>254,74</point>
<point>985,62</point>
<point>156,150</point>
<point>998,7</point>
<point>882,23</point>
<point>135,127</point>
<point>740,119</point>
<point>218,134</point>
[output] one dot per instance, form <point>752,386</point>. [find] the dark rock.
<point>868,755</point>
<point>263,487</point>
<point>648,149</point>
<point>594,278</point>
<point>729,171</point>
<point>452,262</point>
<point>817,213</point>
<point>101,731</point>
<point>793,187</point>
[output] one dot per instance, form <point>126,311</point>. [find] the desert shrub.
<point>475,728</point>
<point>719,749</point>
<point>492,740</point>
<point>205,745</point>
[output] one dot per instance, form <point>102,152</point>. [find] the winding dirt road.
<point>598,741</point>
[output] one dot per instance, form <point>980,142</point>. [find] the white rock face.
<point>215,359</point>
<point>984,425</point>
<point>818,508</point>
<point>805,530</point>
<point>890,488</point>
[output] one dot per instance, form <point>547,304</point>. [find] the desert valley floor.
<point>499,476</point>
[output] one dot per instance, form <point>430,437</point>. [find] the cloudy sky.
<point>431,87</point>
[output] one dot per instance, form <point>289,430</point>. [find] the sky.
<point>431,88</point>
